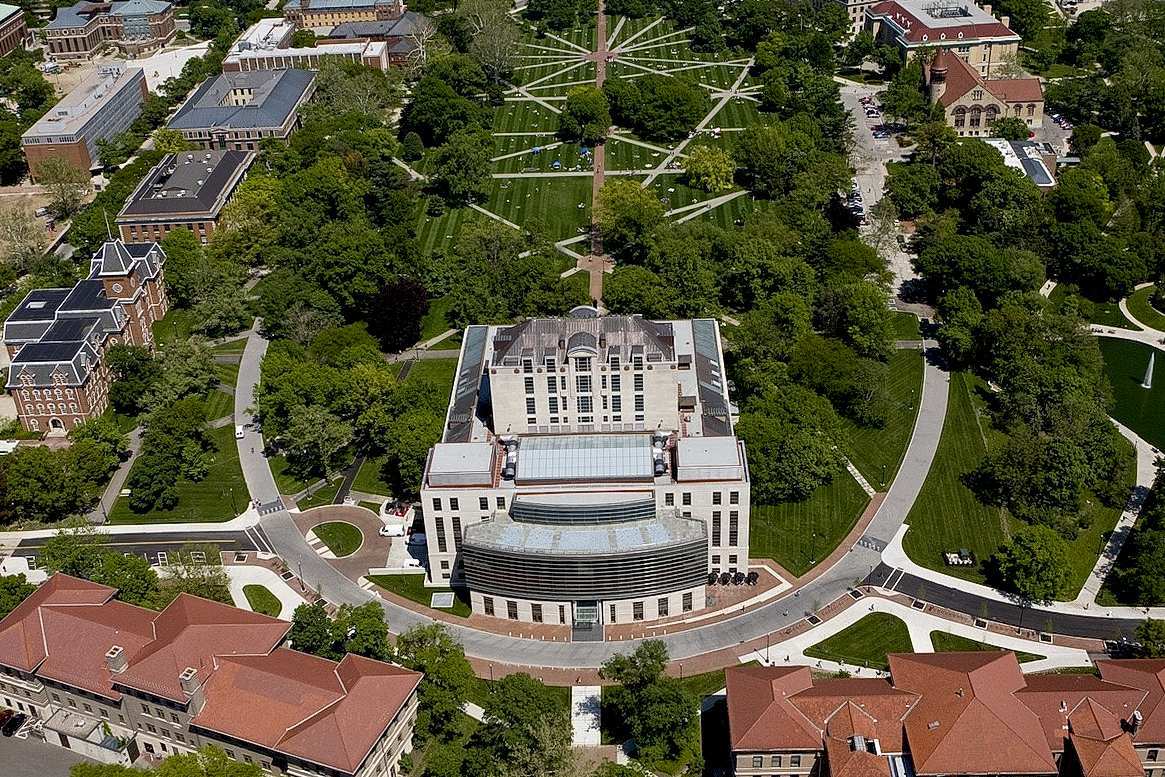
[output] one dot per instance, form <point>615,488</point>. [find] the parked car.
<point>240,431</point>
<point>13,724</point>
<point>392,530</point>
<point>417,539</point>
<point>5,715</point>
<point>411,563</point>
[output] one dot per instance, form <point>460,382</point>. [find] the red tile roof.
<point>967,699</point>
<point>63,629</point>
<point>760,716</point>
<point>1147,674</point>
<point>1054,697</point>
<point>328,713</point>
<point>192,632</point>
<point>1100,744</point>
<point>290,702</point>
<point>961,78</point>
<point>916,30</point>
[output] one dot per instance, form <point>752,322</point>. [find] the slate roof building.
<point>962,27</point>
<point>396,34</point>
<point>947,714</point>
<point>588,473</point>
<point>325,14</point>
<point>237,110</point>
<point>134,27</point>
<point>57,338</point>
<point>972,103</point>
<point>114,681</point>
<point>183,191</point>
<point>13,30</point>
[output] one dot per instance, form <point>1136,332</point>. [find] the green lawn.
<point>1138,304</point>
<point>219,496</point>
<point>228,374</point>
<point>877,453</point>
<point>175,325</point>
<point>1142,410</point>
<point>368,480</point>
<point>439,371</point>
<point>262,600</point>
<point>905,325</point>
<point>435,321</point>
<point>479,694</point>
<point>412,587</point>
<point>219,404</point>
<point>286,482</point>
<point>799,534</point>
<point>947,516</point>
<point>325,496</point>
<point>866,642</point>
<point>342,538</point>
<point>952,643</point>
<point>1104,313</point>
<point>231,347</point>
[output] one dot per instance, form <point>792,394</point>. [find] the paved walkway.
<point>100,513</point>
<point>246,574</point>
<point>585,710</point>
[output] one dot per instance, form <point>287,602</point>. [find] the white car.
<point>240,431</point>
<point>411,563</point>
<point>392,530</point>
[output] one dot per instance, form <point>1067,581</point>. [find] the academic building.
<point>325,14</point>
<point>588,473</point>
<point>13,30</point>
<point>103,105</point>
<point>57,338</point>
<point>972,103</point>
<point>266,45</point>
<point>133,27</point>
<point>183,191</point>
<point>946,714</point>
<point>967,30</point>
<point>115,683</point>
<point>238,110</point>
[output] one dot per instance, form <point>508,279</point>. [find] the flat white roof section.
<point>462,464</point>
<point>708,458</point>
<point>585,457</point>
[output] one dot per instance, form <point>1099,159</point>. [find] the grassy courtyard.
<point>342,538</point>
<point>1142,310</point>
<point>219,496</point>
<point>1142,410</point>
<point>412,587</point>
<point>797,535</point>
<point>944,642</point>
<point>947,516</point>
<point>368,479</point>
<point>877,453</point>
<point>261,600</point>
<point>865,643</point>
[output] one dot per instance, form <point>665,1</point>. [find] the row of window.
<point>758,762</point>
<point>733,528</point>
<point>536,613</point>
<point>669,499</point>
<point>455,503</point>
<point>582,363</point>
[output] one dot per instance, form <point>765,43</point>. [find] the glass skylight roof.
<point>586,457</point>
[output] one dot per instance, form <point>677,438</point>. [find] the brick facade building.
<point>134,27</point>
<point>238,110</point>
<point>13,31</point>
<point>959,26</point>
<point>322,14</point>
<point>57,338</point>
<point>113,681</point>
<point>971,102</point>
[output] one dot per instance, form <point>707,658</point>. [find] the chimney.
<point>1136,723</point>
<point>188,680</point>
<point>1005,21</point>
<point>987,8</point>
<point>115,659</point>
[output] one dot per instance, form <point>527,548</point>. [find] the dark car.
<point>13,724</point>
<point>5,715</point>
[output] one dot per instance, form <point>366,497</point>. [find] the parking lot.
<point>34,758</point>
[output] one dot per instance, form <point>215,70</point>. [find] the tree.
<point>221,310</point>
<point>311,631</point>
<point>207,762</point>
<point>776,158</point>
<point>363,631</point>
<point>585,116</point>
<point>1034,564</point>
<point>625,215</point>
<point>447,681</point>
<point>14,589</point>
<point>461,167</point>
<point>412,148</point>
<point>637,670</point>
<point>133,577</point>
<point>1151,636</point>
<point>903,98</point>
<point>186,266</point>
<point>710,168</point>
<point>22,238</point>
<point>657,712</point>
<point>427,44</point>
<point>494,36</point>
<point>67,185</point>
<point>656,106</point>
<point>303,39</point>
<point>46,484</point>
<point>1010,128</point>
<point>170,141</point>
<point>134,373</point>
<point>77,550</point>
<point>205,579</point>
<point>436,111</point>
<point>526,731</point>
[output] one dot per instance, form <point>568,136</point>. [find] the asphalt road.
<point>31,758</point>
<point>150,544</point>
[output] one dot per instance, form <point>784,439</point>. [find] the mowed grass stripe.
<point>871,449</point>
<point>797,535</point>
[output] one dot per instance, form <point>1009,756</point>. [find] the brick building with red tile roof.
<point>112,680</point>
<point>959,26</point>
<point>946,714</point>
<point>971,103</point>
